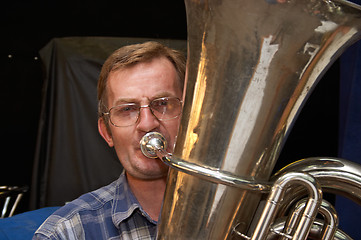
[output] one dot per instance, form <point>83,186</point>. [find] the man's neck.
<point>149,194</point>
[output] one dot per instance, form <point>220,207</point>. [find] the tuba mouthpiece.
<point>151,143</point>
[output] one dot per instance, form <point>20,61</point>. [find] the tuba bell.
<point>251,66</point>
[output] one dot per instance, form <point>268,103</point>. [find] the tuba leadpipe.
<point>251,66</point>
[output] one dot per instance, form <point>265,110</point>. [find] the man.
<point>139,91</point>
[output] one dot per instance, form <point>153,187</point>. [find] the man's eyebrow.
<point>163,94</point>
<point>124,100</point>
<point>134,100</point>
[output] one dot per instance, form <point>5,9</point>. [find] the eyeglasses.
<point>165,108</point>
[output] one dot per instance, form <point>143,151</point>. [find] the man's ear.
<point>103,130</point>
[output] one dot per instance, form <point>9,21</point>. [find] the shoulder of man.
<point>68,221</point>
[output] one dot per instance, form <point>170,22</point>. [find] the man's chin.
<point>152,166</point>
<point>150,175</point>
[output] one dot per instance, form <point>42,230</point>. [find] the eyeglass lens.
<point>162,108</point>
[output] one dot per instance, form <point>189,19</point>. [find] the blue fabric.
<point>350,131</point>
<point>111,212</point>
<point>24,225</point>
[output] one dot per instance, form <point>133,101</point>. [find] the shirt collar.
<point>125,203</point>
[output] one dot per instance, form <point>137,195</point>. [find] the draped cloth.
<point>350,131</point>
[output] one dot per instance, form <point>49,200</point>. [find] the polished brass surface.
<point>251,66</point>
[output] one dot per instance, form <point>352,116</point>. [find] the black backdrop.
<point>28,26</point>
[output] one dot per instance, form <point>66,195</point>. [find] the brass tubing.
<point>275,197</point>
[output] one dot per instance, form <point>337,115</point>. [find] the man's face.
<point>141,84</point>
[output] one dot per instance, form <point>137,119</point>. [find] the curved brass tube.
<point>327,211</point>
<point>152,145</point>
<point>276,196</point>
<point>315,232</point>
<point>337,176</point>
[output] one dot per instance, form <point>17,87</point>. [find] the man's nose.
<point>147,121</point>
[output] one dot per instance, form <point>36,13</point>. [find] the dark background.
<point>27,26</point>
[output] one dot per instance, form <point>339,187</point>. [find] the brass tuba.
<point>251,66</point>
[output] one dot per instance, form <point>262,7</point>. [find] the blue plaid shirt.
<point>111,212</point>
